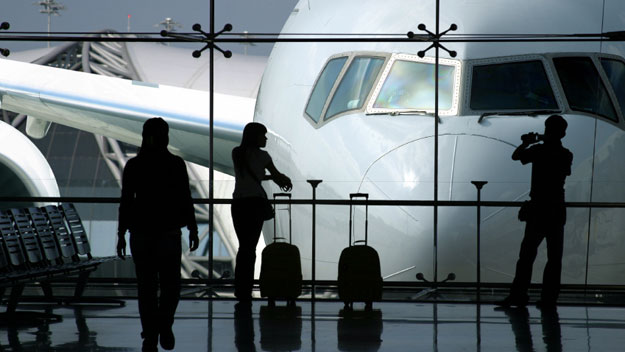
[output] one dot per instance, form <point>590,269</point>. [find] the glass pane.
<point>583,87</point>
<point>615,70</point>
<point>410,85</point>
<point>323,87</point>
<point>355,85</point>
<point>511,86</point>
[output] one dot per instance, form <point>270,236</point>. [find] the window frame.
<point>351,55</point>
<point>342,76</point>
<point>332,90</point>
<point>603,78</point>
<point>457,64</point>
<point>620,110</point>
<point>464,69</point>
<point>468,84</point>
<point>610,88</point>
<point>554,81</point>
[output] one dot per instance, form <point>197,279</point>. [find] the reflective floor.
<point>220,326</point>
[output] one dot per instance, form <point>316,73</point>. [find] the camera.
<point>531,137</point>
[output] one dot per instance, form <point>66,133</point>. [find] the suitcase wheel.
<point>348,306</point>
<point>271,302</point>
<point>368,306</point>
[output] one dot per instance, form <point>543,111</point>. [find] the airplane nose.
<point>407,173</point>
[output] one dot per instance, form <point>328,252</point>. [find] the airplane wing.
<point>117,108</point>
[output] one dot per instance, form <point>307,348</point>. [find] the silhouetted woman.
<point>155,204</point>
<point>250,163</point>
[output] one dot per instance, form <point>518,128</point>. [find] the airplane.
<point>359,116</point>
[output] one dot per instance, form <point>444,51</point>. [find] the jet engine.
<point>24,171</point>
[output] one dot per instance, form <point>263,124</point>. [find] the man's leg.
<point>553,268</point>
<point>527,255</point>
<point>147,279</point>
<point>169,253</point>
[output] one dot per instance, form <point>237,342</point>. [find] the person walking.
<point>155,204</point>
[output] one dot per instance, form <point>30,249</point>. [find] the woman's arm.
<point>283,181</point>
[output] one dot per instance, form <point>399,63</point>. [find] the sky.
<point>94,15</point>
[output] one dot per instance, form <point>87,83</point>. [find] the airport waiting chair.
<point>36,245</point>
<point>76,229</point>
<point>73,242</point>
<point>22,262</point>
<point>79,234</point>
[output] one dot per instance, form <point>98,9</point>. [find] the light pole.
<point>50,7</point>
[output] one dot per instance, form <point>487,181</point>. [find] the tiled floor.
<point>214,326</point>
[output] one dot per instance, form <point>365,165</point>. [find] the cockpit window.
<point>323,87</point>
<point>355,85</point>
<point>615,70</point>
<point>583,87</point>
<point>410,86</point>
<point>511,86</point>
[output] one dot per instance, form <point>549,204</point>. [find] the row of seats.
<point>40,244</point>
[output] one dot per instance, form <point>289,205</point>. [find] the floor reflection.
<point>359,330</point>
<point>244,328</point>
<point>393,326</point>
<point>280,328</point>
<point>520,322</point>
<point>42,332</point>
<point>86,340</point>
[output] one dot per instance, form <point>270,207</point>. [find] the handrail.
<point>305,201</point>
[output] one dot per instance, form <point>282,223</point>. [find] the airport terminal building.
<point>363,117</point>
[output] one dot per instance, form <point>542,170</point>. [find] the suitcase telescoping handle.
<point>284,195</point>
<point>366,197</point>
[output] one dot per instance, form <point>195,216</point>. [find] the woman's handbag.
<point>266,210</point>
<point>525,213</point>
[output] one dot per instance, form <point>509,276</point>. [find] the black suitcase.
<point>360,279</point>
<point>281,268</point>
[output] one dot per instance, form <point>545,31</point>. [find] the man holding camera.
<point>545,213</point>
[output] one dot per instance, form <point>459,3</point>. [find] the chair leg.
<point>47,289</point>
<point>81,284</point>
<point>16,293</point>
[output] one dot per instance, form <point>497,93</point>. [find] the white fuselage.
<point>392,157</point>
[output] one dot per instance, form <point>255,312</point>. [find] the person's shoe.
<point>168,340</point>
<point>244,301</point>
<point>149,344</point>
<point>512,301</point>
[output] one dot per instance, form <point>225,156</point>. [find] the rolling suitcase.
<point>281,268</point>
<point>359,278</point>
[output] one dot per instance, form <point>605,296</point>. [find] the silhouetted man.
<point>545,213</point>
<point>155,204</point>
